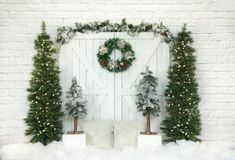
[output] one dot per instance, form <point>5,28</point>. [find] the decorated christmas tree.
<point>76,104</point>
<point>147,98</point>
<point>44,118</point>
<point>183,120</point>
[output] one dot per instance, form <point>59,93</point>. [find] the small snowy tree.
<point>147,98</point>
<point>76,104</point>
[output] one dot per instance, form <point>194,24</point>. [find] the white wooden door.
<point>149,50</point>
<point>112,95</point>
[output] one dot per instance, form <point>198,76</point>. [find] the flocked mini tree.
<point>76,104</point>
<point>183,120</point>
<point>44,118</point>
<point>147,98</point>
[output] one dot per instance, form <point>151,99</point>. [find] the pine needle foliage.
<point>76,103</point>
<point>44,119</point>
<point>182,99</point>
<point>147,98</point>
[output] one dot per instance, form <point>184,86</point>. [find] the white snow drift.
<point>56,151</point>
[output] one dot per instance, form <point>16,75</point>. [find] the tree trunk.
<point>75,125</point>
<point>148,130</point>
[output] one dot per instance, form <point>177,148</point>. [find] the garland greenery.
<point>65,34</point>
<point>120,64</point>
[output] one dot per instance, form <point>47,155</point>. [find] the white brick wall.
<point>211,21</point>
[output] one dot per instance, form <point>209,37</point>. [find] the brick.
<point>21,84</point>
<point>19,92</point>
<point>21,76</point>
<point>4,93</point>
<point>204,15</point>
<point>147,7</point>
<point>222,59</point>
<point>220,83</point>
<point>6,84</point>
<point>16,1</point>
<point>206,59</point>
<point>129,1</point>
<point>223,6</point>
<point>207,90</point>
<point>221,67</point>
<point>204,67</point>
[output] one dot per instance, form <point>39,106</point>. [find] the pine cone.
<point>103,62</point>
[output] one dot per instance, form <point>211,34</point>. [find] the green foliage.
<point>44,118</point>
<point>121,64</point>
<point>147,98</point>
<point>76,104</point>
<point>65,34</point>
<point>183,120</point>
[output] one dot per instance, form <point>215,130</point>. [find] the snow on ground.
<point>184,150</point>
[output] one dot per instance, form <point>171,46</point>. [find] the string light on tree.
<point>183,120</point>
<point>42,95</point>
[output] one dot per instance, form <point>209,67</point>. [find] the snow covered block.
<point>126,133</point>
<point>98,133</point>
<point>149,140</point>
<point>78,140</point>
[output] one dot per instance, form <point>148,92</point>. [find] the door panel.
<point>112,95</point>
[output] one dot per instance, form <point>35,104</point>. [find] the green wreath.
<point>120,64</point>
